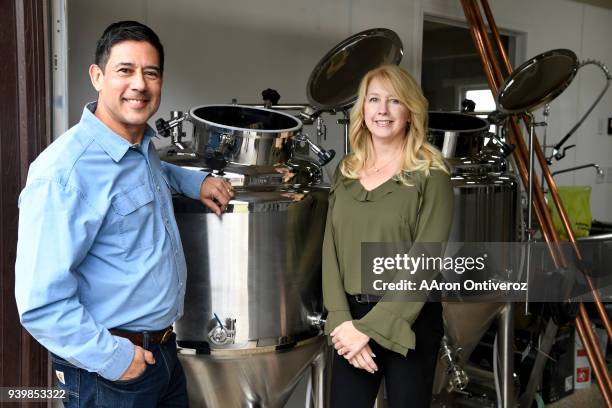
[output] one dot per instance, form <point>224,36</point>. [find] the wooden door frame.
<point>24,132</point>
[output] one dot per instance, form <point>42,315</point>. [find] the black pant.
<point>408,379</point>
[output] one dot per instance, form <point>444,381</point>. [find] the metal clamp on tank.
<point>216,159</point>
<point>325,156</point>
<point>317,321</point>
<point>221,335</point>
<point>457,378</point>
<point>174,130</point>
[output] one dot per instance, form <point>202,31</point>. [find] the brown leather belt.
<point>145,338</point>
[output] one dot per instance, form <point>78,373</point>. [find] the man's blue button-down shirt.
<point>98,245</point>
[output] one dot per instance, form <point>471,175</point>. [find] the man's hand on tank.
<point>215,193</point>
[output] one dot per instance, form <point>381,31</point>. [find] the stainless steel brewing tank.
<point>256,270</point>
<point>455,134</point>
<point>487,209</point>
<point>243,135</point>
<point>251,325</point>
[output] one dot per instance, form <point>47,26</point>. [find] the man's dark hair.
<point>126,31</point>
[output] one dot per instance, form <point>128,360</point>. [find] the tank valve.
<point>270,97</point>
<point>222,335</point>
<point>457,378</point>
<point>325,156</point>
<point>164,127</point>
<point>317,321</point>
<point>174,129</point>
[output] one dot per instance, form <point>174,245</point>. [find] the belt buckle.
<point>166,335</point>
<point>366,299</point>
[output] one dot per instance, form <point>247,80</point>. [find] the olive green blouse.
<point>392,212</point>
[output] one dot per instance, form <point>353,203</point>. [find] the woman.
<point>393,187</point>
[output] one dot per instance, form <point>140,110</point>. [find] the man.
<point>100,271</point>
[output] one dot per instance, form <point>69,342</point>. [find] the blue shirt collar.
<point>113,144</point>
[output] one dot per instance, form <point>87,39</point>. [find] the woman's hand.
<point>364,360</point>
<point>348,340</point>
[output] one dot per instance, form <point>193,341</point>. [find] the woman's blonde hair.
<point>417,153</point>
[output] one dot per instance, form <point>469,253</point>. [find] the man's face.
<point>129,88</point>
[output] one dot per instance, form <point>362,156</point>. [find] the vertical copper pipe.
<point>477,37</point>
<point>493,72</point>
<point>596,369</point>
<point>480,26</point>
<point>592,338</point>
<point>500,46</point>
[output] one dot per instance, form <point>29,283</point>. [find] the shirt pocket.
<point>134,211</point>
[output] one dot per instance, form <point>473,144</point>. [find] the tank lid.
<point>334,82</point>
<point>538,81</point>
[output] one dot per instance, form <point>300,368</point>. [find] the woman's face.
<point>385,116</point>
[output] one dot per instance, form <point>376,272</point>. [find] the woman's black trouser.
<point>408,379</point>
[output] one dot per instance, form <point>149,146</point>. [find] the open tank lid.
<point>334,82</point>
<point>538,81</point>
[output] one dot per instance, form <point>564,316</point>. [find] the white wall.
<point>219,50</point>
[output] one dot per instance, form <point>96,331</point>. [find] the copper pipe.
<point>493,73</point>
<point>596,369</point>
<point>600,307</point>
<point>500,46</point>
<point>583,317</point>
<point>477,37</point>
<point>480,26</point>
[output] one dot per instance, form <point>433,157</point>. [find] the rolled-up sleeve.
<point>57,227</point>
<point>183,181</point>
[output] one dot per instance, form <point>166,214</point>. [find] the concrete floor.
<point>584,398</point>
